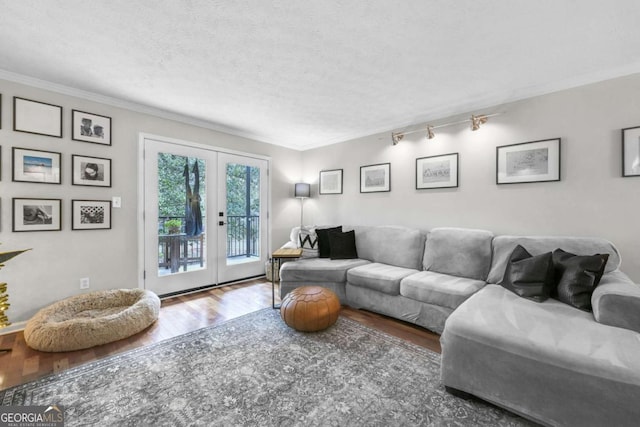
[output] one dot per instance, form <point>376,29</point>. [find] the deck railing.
<point>243,234</point>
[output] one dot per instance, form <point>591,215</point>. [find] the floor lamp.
<point>302,191</point>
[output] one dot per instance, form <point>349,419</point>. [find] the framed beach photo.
<point>36,166</point>
<point>37,117</point>
<point>36,214</point>
<point>88,127</point>
<point>535,161</point>
<point>631,152</point>
<point>437,171</point>
<point>330,182</point>
<point>90,171</point>
<point>90,214</point>
<point>375,178</point>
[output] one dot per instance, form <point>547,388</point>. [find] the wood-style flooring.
<point>179,315</point>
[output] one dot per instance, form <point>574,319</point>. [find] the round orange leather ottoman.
<point>310,308</point>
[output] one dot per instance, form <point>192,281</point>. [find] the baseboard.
<point>14,327</point>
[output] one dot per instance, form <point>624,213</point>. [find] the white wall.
<point>592,199</point>
<point>51,271</point>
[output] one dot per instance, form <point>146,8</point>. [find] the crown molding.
<point>129,105</point>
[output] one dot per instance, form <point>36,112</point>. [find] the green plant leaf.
<point>6,256</point>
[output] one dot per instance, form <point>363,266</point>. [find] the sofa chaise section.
<point>549,361</point>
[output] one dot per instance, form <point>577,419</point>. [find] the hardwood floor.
<point>179,315</point>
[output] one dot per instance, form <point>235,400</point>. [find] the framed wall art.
<point>36,214</point>
<point>90,171</point>
<point>535,161</point>
<point>37,117</point>
<point>437,171</point>
<point>631,152</point>
<point>90,127</point>
<point>36,166</point>
<point>375,178</point>
<point>330,182</point>
<point>90,214</point>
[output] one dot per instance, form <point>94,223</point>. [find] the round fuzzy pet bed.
<point>92,319</point>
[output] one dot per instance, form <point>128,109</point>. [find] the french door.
<point>205,216</point>
<point>242,216</point>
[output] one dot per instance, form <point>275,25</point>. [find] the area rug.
<point>256,371</point>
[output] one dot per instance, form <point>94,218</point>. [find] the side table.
<point>276,259</point>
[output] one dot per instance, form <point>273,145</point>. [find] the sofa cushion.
<point>324,245</point>
<point>342,245</point>
<point>399,246</point>
<point>530,277</point>
<point>318,269</point>
<point>536,245</point>
<point>577,277</point>
<point>616,301</point>
<point>439,289</point>
<point>379,277</point>
<point>459,252</point>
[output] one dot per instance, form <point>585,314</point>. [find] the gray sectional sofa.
<point>547,361</point>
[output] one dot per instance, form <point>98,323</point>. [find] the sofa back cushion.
<point>536,245</point>
<point>399,246</point>
<point>459,252</point>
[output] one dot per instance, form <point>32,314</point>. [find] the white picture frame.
<point>375,178</point>
<point>90,214</point>
<point>330,182</point>
<point>631,152</point>
<point>37,117</point>
<point>528,162</point>
<point>37,166</point>
<point>89,127</point>
<point>34,214</point>
<point>90,171</point>
<point>437,171</point>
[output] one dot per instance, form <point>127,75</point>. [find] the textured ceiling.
<point>308,73</point>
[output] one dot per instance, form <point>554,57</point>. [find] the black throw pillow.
<point>529,276</point>
<point>577,276</point>
<point>324,248</point>
<point>343,245</point>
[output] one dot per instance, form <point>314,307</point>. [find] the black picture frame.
<point>439,171</point>
<point>90,171</point>
<point>631,152</point>
<point>90,214</point>
<point>36,117</point>
<point>36,166</point>
<point>90,127</point>
<point>375,178</point>
<point>330,182</point>
<point>36,214</point>
<point>529,162</point>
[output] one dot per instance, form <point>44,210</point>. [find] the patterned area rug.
<point>256,371</point>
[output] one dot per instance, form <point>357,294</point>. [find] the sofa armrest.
<point>616,301</point>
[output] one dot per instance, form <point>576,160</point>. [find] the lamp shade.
<point>302,190</point>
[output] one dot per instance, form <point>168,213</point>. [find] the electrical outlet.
<point>84,283</point>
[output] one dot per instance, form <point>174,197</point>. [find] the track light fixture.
<point>396,137</point>
<point>476,121</point>
<point>430,133</point>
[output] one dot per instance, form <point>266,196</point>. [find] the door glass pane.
<point>181,214</point>
<point>243,213</point>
